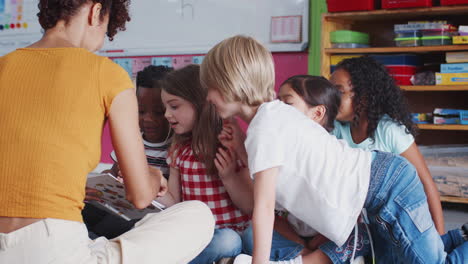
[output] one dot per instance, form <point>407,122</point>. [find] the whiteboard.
<point>19,26</point>
<point>160,27</point>
<point>169,27</point>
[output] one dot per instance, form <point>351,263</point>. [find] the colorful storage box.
<point>391,4</point>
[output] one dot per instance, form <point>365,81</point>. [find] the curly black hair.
<point>151,76</point>
<point>51,11</point>
<point>316,90</point>
<point>376,94</point>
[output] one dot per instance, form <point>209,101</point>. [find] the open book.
<point>112,193</point>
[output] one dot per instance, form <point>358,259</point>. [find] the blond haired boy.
<point>298,166</point>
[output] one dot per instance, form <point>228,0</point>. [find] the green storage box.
<point>348,36</point>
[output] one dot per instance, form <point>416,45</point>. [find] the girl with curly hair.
<point>55,96</point>
<point>374,115</point>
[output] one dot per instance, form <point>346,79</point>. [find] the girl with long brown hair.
<point>199,168</point>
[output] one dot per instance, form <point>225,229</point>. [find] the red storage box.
<point>401,69</point>
<point>453,2</point>
<point>391,4</point>
<point>346,5</point>
<point>401,79</point>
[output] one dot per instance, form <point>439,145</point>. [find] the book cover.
<point>112,194</point>
<point>454,68</point>
<point>459,56</point>
<point>451,78</point>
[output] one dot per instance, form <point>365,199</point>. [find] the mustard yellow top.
<point>53,104</point>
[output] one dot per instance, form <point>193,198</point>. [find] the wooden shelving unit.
<point>422,99</point>
<point>421,49</point>
<point>453,199</point>
<point>442,127</point>
<point>434,88</point>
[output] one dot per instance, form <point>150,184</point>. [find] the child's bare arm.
<point>263,214</point>
<point>141,186</point>
<point>413,155</point>
<point>172,196</point>
<point>238,184</point>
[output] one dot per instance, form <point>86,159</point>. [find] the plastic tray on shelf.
<point>349,36</point>
<point>408,42</point>
<point>436,41</point>
<point>408,34</point>
<point>348,45</point>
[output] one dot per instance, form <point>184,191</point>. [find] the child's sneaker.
<point>246,259</point>
<point>225,261</point>
<point>243,259</point>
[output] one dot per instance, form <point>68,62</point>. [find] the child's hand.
<point>92,194</point>
<point>163,185</point>
<point>225,163</point>
<point>231,137</point>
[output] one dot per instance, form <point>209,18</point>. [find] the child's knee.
<point>227,241</point>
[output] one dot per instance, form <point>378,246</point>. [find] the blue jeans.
<point>399,217</point>
<point>281,248</point>
<point>226,243</point>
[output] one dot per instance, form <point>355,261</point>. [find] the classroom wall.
<point>286,65</point>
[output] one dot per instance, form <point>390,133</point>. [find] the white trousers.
<point>175,235</point>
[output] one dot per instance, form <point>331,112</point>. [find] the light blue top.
<point>389,136</point>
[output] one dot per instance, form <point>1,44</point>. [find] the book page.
<point>112,192</point>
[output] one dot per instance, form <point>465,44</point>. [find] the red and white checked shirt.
<point>197,185</point>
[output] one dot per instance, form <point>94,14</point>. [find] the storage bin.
<point>446,155</point>
<point>453,2</point>
<point>391,4</point>
<point>399,59</point>
<point>445,32</point>
<point>402,79</point>
<point>346,5</point>
<point>401,69</point>
<point>408,42</point>
<point>348,45</point>
<point>349,36</point>
<point>436,41</point>
<point>450,181</point>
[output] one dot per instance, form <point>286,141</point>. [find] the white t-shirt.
<point>321,181</point>
<point>389,136</point>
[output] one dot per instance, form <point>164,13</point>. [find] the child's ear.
<point>317,113</point>
<point>95,14</point>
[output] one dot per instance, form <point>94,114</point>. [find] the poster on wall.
<point>18,24</point>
